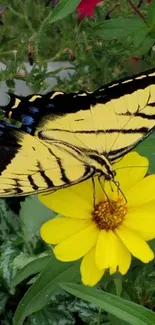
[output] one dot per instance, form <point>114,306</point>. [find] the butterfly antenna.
<point>117,184</point>
<point>99,179</point>
<point>94,192</point>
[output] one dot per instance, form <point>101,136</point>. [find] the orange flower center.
<point>109,214</point>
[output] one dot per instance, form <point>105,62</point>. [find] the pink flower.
<point>86,8</point>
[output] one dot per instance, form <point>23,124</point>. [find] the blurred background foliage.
<point>100,49</point>
<point>117,42</point>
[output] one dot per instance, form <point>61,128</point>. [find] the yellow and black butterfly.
<point>65,138</point>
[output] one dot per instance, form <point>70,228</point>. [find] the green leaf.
<point>9,221</point>
<point>9,251</point>
<point>3,300</point>
<point>48,316</point>
<point>144,47</point>
<point>152,244</point>
<point>63,9</point>
<point>116,321</point>
<point>33,214</point>
<point>121,308</point>
<point>89,313</point>
<point>151,15</point>
<point>55,313</point>
<point>118,28</point>
<point>10,84</point>
<point>35,266</point>
<point>140,36</point>
<point>45,286</point>
<point>147,149</point>
<point>118,280</point>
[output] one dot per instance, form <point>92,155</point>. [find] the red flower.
<point>86,8</point>
<point>149,1</point>
<point>135,58</point>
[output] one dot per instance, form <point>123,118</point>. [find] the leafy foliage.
<point>48,34</point>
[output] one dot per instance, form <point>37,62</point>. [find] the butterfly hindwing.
<point>27,166</point>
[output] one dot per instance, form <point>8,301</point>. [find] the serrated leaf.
<point>9,221</point>
<point>118,28</point>
<point>33,267</point>
<point>45,286</point>
<point>8,253</point>
<point>63,9</point>
<point>121,308</point>
<point>88,312</point>
<point>52,316</point>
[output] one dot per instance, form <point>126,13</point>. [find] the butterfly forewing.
<point>129,107</point>
<point>110,121</point>
<point>28,166</point>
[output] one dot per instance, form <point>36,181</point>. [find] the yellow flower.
<point>105,222</point>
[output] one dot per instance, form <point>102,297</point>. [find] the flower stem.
<point>22,17</point>
<point>36,35</point>
<point>140,3</point>
<point>137,11</point>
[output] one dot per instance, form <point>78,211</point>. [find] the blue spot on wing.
<point>28,130</point>
<point>27,120</point>
<point>34,109</point>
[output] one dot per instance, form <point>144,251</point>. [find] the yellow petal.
<point>135,244</point>
<point>145,236</point>
<point>111,253</point>
<point>75,201</point>
<point>58,229</point>
<point>123,256</point>
<point>105,256</point>
<point>130,170</point>
<point>78,245</point>
<point>89,271</point>
<point>142,192</point>
<point>141,218</point>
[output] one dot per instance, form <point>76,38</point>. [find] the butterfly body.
<point>65,138</point>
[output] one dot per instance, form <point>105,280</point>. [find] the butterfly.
<point>66,138</point>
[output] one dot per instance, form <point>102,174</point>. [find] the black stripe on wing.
<point>30,113</point>
<point>33,184</point>
<point>141,130</point>
<point>124,86</point>
<point>64,178</point>
<point>9,145</point>
<point>45,177</point>
<point>32,109</point>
